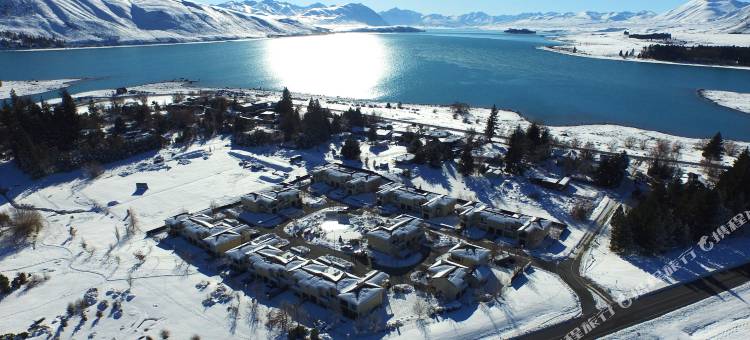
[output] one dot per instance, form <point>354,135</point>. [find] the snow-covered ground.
<point>534,301</point>
<point>632,276</point>
<point>724,316</point>
<point>32,87</point>
<point>171,290</point>
<point>604,137</point>
<point>608,45</point>
<point>733,100</point>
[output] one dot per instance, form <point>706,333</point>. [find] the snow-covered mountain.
<point>397,16</point>
<point>480,19</point>
<point>135,21</point>
<point>729,16</point>
<point>269,7</point>
<point>316,14</point>
<point>704,11</point>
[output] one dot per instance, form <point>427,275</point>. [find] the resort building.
<point>469,255</point>
<point>400,239</point>
<point>272,201</point>
<point>316,281</point>
<point>527,230</point>
<point>353,181</point>
<point>224,240</point>
<point>449,280</point>
<point>427,204</point>
<point>195,228</point>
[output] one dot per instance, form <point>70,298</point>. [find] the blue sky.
<point>504,6</point>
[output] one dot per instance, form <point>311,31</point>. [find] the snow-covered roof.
<point>440,201</point>
<point>273,195</point>
<point>228,235</point>
<point>470,252</point>
<point>403,226</point>
<point>405,193</point>
<point>453,272</point>
<point>346,175</point>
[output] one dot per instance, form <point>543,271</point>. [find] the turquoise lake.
<point>437,67</point>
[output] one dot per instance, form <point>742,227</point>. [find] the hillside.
<point>315,14</point>
<point>397,16</point>
<point>137,21</point>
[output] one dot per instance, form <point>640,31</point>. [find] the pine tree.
<point>734,185</point>
<point>466,163</point>
<point>317,126</point>
<point>350,150</point>
<point>611,171</point>
<point>621,238</point>
<point>4,284</point>
<point>491,126</point>
<point>714,148</point>
<point>372,133</point>
<point>289,120</point>
<point>514,157</point>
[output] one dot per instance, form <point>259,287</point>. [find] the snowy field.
<point>725,316</point>
<point>31,87</point>
<point>177,289</point>
<point>607,45</point>
<point>732,100</point>
<point>534,301</point>
<point>632,276</point>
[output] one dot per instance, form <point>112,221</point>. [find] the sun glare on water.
<point>347,65</point>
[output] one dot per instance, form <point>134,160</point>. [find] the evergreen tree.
<point>415,146</point>
<point>466,163</point>
<point>289,120</point>
<point>621,238</point>
<point>372,133</point>
<point>317,126</point>
<point>714,148</point>
<point>734,185</point>
<point>514,157</point>
<point>354,117</point>
<point>4,284</point>
<point>350,150</point>
<point>611,171</point>
<point>491,126</point>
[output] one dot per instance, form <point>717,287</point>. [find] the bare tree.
<point>630,142</point>
<point>731,148</point>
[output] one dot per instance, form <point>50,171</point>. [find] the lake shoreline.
<point>735,101</point>
<point>558,49</point>
<point>512,117</point>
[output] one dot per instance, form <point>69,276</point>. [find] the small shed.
<point>140,188</point>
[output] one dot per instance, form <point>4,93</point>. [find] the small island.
<point>519,31</point>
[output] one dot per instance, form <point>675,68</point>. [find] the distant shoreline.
<point>637,60</point>
<point>706,95</point>
<point>375,30</point>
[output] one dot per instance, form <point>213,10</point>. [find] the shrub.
<point>25,223</point>
<point>298,332</point>
<point>93,169</point>
<point>581,210</point>
<point>4,284</point>
<point>20,280</point>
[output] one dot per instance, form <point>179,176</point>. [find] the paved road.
<point>653,305</point>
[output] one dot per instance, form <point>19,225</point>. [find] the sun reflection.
<point>347,65</point>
